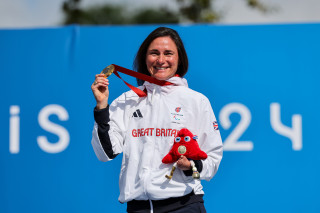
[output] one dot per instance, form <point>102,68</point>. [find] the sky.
<point>47,13</point>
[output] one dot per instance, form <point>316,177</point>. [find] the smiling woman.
<point>162,58</point>
<point>162,49</point>
<point>144,128</point>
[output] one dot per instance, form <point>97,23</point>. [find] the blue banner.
<point>262,81</point>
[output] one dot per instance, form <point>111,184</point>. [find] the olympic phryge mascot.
<point>185,143</point>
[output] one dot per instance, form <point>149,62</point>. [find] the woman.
<point>143,130</point>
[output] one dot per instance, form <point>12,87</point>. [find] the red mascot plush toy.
<point>185,144</point>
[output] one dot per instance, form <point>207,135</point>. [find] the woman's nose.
<point>161,59</point>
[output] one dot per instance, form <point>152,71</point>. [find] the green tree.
<point>151,16</point>
<point>194,11</point>
<point>105,14</point>
<point>198,11</point>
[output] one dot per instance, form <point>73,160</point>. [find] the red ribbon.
<point>138,75</point>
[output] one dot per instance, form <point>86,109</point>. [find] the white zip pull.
<point>151,206</point>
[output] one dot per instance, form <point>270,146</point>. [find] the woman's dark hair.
<point>140,59</point>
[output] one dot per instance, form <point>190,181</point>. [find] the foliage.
<point>94,15</point>
<point>198,11</point>
<point>150,16</point>
<point>190,11</point>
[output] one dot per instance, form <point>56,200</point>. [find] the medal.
<point>115,69</point>
<point>182,149</point>
<point>108,70</point>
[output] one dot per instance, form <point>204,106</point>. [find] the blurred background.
<point>39,13</point>
<point>257,61</point>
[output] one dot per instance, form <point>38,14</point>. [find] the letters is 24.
<point>231,143</point>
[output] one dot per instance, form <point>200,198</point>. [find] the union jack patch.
<point>215,125</point>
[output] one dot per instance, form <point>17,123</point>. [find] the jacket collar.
<point>177,81</point>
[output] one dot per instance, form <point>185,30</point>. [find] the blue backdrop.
<point>263,83</point>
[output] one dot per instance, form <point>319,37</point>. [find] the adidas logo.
<point>137,114</point>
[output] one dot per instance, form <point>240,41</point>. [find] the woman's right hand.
<point>101,91</point>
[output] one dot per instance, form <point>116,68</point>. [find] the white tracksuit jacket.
<point>143,129</point>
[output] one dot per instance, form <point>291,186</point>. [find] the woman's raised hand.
<point>101,91</point>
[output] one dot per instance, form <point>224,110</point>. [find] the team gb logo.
<point>178,109</point>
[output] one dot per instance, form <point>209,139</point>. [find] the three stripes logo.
<point>137,114</point>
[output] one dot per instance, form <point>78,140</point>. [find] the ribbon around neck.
<point>115,69</point>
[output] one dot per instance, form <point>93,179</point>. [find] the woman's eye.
<point>177,139</point>
<point>187,138</point>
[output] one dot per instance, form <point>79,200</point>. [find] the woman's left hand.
<point>183,163</point>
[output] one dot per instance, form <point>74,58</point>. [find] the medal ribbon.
<point>140,76</point>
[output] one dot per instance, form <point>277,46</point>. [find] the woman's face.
<point>162,58</point>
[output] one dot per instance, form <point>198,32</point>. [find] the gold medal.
<point>182,149</point>
<point>113,68</point>
<point>108,70</point>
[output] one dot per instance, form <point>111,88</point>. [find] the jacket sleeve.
<point>209,140</point>
<point>107,134</point>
